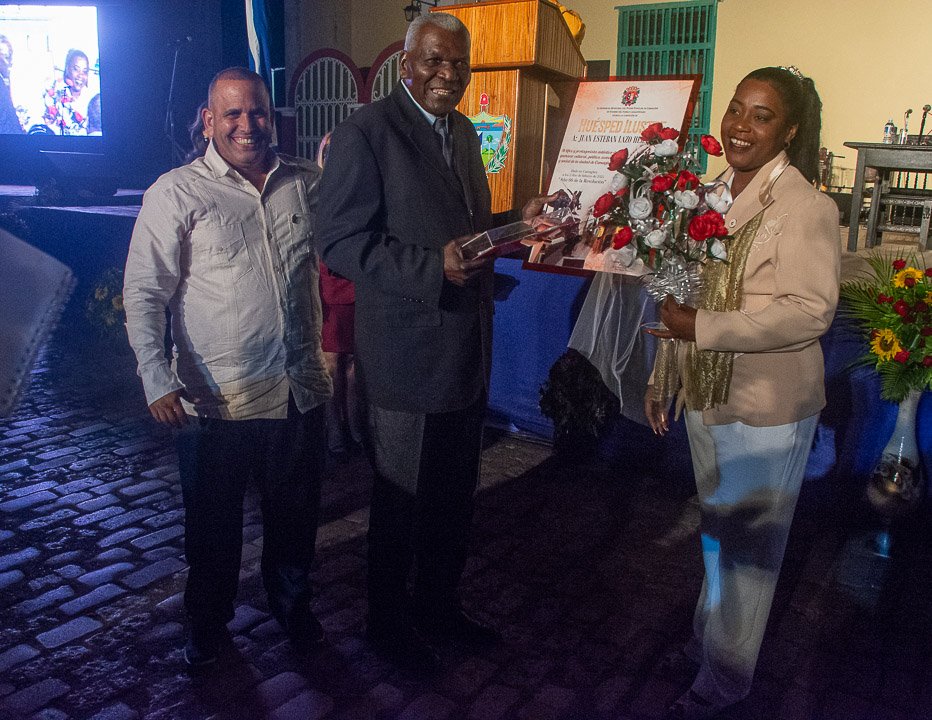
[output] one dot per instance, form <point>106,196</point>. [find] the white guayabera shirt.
<point>238,274</point>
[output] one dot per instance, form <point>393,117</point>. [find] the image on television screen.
<point>50,70</point>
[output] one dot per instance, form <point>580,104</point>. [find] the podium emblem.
<point>494,133</point>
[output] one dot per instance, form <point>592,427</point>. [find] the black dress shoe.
<point>403,645</point>
<point>302,627</point>
<point>460,627</point>
<point>203,647</point>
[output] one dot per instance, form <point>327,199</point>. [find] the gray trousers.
<point>748,480</point>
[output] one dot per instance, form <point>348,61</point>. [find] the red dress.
<point>338,298</point>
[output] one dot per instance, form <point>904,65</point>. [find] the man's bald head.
<point>235,73</point>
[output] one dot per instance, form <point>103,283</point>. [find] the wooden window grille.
<point>676,38</point>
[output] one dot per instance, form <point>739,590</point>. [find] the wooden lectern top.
<point>519,33</point>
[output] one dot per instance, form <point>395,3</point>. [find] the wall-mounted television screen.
<point>49,70</point>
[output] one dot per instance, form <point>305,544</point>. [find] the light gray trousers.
<point>748,480</point>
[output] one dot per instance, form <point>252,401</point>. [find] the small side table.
<point>886,159</point>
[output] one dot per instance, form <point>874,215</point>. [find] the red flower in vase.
<point>651,132</point>
<point>687,180</point>
<point>711,145</point>
<point>622,237</point>
<point>618,159</point>
<point>709,224</point>
<point>669,133</point>
<point>605,203</point>
<point>901,357</point>
<point>899,264</point>
<point>662,183</point>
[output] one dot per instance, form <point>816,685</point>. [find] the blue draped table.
<point>534,318</point>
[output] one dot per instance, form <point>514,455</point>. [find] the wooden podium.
<point>522,57</point>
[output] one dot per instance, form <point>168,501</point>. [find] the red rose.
<point>621,193</point>
<point>921,306</point>
<point>668,133</point>
<point>927,361</point>
<point>605,203</point>
<point>901,357</point>
<point>687,181</point>
<point>709,224</point>
<point>929,271</point>
<point>899,264</point>
<point>909,282</point>
<point>926,331</point>
<point>622,237</point>
<point>651,132</point>
<point>710,145</point>
<point>881,298</point>
<point>618,159</point>
<point>662,183</point>
<point>900,308</point>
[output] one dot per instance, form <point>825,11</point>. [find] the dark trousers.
<point>217,460</point>
<point>426,472</point>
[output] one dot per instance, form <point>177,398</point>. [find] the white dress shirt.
<point>238,273</point>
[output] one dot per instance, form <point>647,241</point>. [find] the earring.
<point>206,138</point>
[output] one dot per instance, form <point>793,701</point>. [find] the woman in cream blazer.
<point>753,376</point>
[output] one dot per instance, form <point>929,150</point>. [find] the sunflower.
<point>884,344</point>
<point>899,279</point>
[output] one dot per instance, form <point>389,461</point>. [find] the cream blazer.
<point>790,290</point>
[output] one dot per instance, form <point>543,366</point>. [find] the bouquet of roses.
<point>658,211</point>
<point>893,306</point>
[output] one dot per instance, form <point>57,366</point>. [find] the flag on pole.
<point>257,35</point>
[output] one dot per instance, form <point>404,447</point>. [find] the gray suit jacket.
<point>388,204</point>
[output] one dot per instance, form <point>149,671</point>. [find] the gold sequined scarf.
<point>707,373</point>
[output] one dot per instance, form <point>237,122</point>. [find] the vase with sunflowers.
<point>892,307</point>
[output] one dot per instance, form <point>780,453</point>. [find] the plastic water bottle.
<point>889,133</point>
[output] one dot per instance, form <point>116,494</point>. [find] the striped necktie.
<point>446,142</point>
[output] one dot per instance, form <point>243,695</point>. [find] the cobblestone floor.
<point>590,572</point>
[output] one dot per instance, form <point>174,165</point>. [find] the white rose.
<point>655,238</point>
<point>640,208</point>
<point>666,148</point>
<point>717,250</point>
<point>718,197</point>
<point>686,199</point>
<point>619,182</point>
